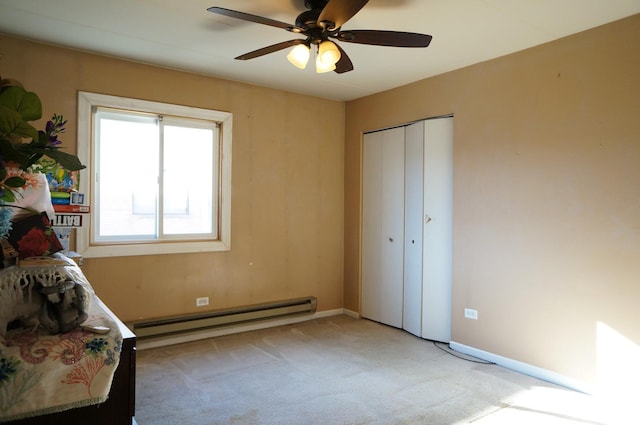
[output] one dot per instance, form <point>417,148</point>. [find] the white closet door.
<point>438,210</point>
<point>383,226</point>
<point>413,219</point>
<point>371,225</point>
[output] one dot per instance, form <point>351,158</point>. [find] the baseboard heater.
<point>218,318</point>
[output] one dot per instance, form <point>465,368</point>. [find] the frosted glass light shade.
<point>322,67</point>
<point>299,56</point>
<point>328,52</point>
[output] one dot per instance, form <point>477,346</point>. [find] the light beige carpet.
<point>339,371</point>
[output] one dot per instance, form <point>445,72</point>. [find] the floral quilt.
<point>41,373</point>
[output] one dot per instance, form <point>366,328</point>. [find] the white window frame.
<point>85,245</point>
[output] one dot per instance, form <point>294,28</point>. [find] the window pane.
<point>127,158</point>
<point>189,178</point>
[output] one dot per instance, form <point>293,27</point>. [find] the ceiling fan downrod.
<point>315,4</point>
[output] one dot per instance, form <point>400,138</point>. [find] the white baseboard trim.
<point>351,313</point>
<point>228,330</point>
<point>525,368</point>
<point>327,313</point>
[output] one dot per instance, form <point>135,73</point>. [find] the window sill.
<point>125,250</point>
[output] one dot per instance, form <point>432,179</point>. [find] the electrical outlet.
<point>470,313</point>
<point>201,302</point>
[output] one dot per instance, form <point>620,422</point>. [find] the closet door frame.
<point>407,223</point>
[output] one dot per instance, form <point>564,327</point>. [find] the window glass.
<point>127,152</point>
<point>188,180</point>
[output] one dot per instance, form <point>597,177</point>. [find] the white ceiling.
<point>183,35</point>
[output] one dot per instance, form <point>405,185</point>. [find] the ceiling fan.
<point>323,21</point>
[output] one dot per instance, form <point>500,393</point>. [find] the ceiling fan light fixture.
<point>328,52</point>
<point>299,56</point>
<point>322,67</point>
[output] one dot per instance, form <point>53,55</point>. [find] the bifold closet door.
<point>438,226</point>
<point>383,226</point>
<point>407,227</point>
<point>413,204</point>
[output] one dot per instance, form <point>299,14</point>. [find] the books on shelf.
<point>67,220</point>
<point>67,198</point>
<point>73,209</point>
<point>67,201</point>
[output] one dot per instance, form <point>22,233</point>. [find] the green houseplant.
<point>22,145</point>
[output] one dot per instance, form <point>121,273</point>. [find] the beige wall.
<point>287,185</point>
<point>546,199</point>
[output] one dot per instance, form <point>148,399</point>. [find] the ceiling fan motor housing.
<point>309,22</point>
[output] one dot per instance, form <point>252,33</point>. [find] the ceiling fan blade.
<point>251,18</point>
<point>270,49</point>
<point>385,38</point>
<point>344,64</point>
<point>340,11</point>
